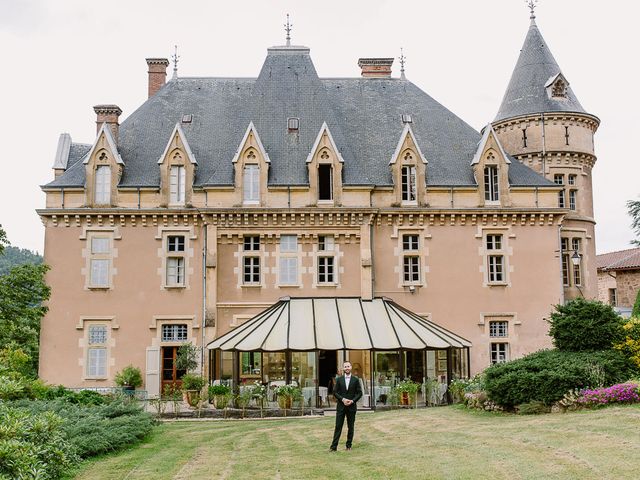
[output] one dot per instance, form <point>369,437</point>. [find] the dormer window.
<point>293,124</point>
<point>177,185</point>
<point>559,88</point>
<point>325,179</point>
<point>491,185</point>
<point>103,185</point>
<point>408,183</point>
<point>251,190</point>
<point>406,118</point>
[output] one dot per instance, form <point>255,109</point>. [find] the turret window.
<point>103,185</point>
<point>566,135</point>
<point>524,137</point>
<point>572,199</point>
<point>558,179</point>
<point>491,188</point>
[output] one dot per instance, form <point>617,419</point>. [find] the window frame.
<point>491,183</point>
<point>409,186</point>
<point>102,185</point>
<point>251,184</point>
<point>498,329</point>
<point>496,258</point>
<point>288,262</point>
<point>494,352</point>
<point>175,268</point>
<point>322,188</point>
<point>176,335</point>
<point>177,184</point>
<point>91,372</point>
<point>411,259</point>
<point>103,257</point>
<point>573,199</point>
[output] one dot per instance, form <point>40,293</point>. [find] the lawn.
<point>447,443</point>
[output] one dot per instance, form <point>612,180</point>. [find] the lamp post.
<point>576,258</point>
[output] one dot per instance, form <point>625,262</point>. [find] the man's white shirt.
<point>347,378</point>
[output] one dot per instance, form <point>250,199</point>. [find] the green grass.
<point>435,443</point>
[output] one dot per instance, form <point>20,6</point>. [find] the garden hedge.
<point>548,374</point>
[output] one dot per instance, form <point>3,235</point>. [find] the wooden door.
<point>170,374</point>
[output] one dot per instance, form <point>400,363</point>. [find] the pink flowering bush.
<point>621,393</point>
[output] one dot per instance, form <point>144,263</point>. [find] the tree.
<point>633,206</point>
<point>14,256</point>
<point>636,306</point>
<point>3,240</point>
<point>22,292</point>
<point>585,325</point>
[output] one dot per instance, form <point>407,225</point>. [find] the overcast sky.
<point>59,58</point>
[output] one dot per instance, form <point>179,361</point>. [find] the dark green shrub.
<point>97,429</point>
<point>191,381</point>
<point>32,445</point>
<point>129,376</point>
<point>584,325</point>
<point>547,375</point>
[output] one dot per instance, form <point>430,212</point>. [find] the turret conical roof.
<point>528,91</point>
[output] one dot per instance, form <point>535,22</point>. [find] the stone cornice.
<point>592,120</point>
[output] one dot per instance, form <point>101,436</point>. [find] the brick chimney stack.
<point>108,114</point>
<point>376,67</point>
<point>157,74</point>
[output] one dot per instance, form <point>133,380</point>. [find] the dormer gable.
<point>491,170</point>
<point>103,169</point>
<point>251,164</point>
<point>324,167</point>
<point>408,170</point>
<point>177,170</point>
<point>557,87</point>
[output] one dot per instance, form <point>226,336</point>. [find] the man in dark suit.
<point>347,392</point>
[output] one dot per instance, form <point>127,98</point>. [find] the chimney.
<point>108,114</point>
<point>376,67</point>
<point>157,74</point>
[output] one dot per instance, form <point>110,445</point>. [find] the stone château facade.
<point>218,196</point>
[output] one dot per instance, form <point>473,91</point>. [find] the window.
<point>411,258</point>
<point>97,351</point>
<point>251,262</point>
<point>174,332</point>
<point>577,273</point>
<point>325,182</point>
<point>326,259</point>
<point>326,270</point>
<point>498,329</point>
<point>499,352</point>
<point>175,260</point>
<point>288,260</point>
<point>613,297</point>
<point>176,185</point>
<point>566,135</point>
<point>495,258</point>
<point>524,137</point>
<point>564,246</point>
<point>326,243</point>
<point>558,179</point>
<point>572,199</point>
<point>408,184</point>
<point>103,185</point>
<point>293,124</point>
<point>572,179</point>
<point>251,190</point>
<point>491,189</point>
<point>100,262</point>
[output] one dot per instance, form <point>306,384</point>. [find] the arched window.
<point>103,185</point>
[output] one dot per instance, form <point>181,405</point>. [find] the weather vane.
<point>175,59</point>
<point>532,7</point>
<point>402,59</point>
<point>287,28</point>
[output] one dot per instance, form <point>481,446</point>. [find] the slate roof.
<point>526,92</point>
<point>621,260</point>
<point>362,114</point>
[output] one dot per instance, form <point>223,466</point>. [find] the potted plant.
<point>286,394</point>
<point>407,390</point>
<point>192,385</point>
<point>129,378</point>
<point>219,395</point>
<point>187,357</point>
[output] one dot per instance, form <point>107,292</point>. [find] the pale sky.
<point>61,57</point>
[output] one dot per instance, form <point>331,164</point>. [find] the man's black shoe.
<point>332,449</point>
